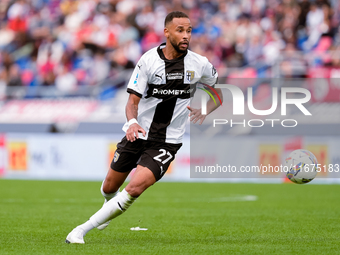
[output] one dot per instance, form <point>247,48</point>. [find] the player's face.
<point>179,33</point>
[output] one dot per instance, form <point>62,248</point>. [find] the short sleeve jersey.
<point>164,87</point>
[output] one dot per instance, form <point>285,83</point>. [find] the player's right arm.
<point>131,110</point>
<point>136,88</point>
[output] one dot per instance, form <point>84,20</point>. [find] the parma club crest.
<point>190,75</point>
<point>116,157</point>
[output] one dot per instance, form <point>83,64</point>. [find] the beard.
<point>176,47</point>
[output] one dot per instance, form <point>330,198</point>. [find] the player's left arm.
<point>196,114</point>
<point>209,77</point>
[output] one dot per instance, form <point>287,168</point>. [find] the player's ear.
<point>166,32</point>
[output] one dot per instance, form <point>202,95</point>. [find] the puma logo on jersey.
<point>139,66</point>
<point>159,76</point>
<point>213,71</point>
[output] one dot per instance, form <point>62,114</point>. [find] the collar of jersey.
<point>161,54</point>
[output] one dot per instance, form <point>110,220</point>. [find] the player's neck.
<point>170,53</point>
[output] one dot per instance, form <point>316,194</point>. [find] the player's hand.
<point>132,132</point>
<point>196,115</point>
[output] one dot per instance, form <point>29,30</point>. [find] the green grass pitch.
<point>182,218</point>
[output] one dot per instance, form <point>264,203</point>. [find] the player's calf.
<point>110,210</point>
<point>108,197</point>
<point>113,208</point>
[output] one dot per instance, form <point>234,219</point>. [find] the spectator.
<point>17,15</point>
<point>315,20</point>
<point>14,76</point>
<point>65,80</point>
<point>293,65</point>
<point>3,83</point>
<point>100,68</point>
<point>6,35</point>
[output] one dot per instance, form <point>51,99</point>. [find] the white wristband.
<point>132,121</point>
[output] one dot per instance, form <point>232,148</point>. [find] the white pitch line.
<point>231,198</point>
<point>235,198</point>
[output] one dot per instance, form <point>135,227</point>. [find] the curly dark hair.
<point>172,15</point>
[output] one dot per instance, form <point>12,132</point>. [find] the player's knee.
<point>135,191</point>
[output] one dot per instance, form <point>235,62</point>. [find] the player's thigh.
<point>158,157</point>
<point>124,160</point>
<point>114,180</point>
<point>142,179</point>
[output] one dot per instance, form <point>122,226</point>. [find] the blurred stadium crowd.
<point>71,43</point>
